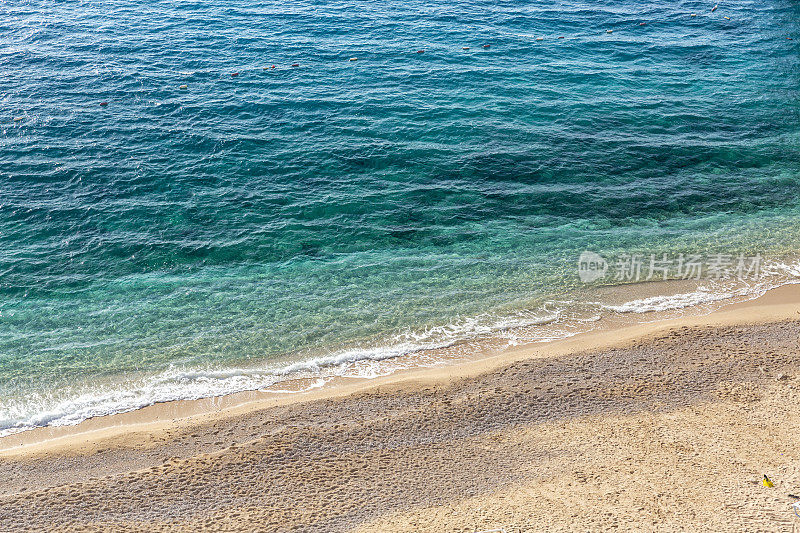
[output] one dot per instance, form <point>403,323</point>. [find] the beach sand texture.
<point>669,430</point>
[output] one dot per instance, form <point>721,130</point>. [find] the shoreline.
<point>660,426</point>
<point>610,307</point>
<point>775,304</point>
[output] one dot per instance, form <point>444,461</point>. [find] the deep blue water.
<point>178,242</point>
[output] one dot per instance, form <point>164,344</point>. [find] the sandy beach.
<point>665,426</point>
<point>414,266</point>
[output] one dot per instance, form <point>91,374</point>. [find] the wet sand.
<point>664,426</point>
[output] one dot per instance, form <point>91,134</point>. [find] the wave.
<point>554,320</point>
<point>676,301</point>
<point>196,383</point>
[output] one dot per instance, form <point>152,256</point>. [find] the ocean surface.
<point>171,230</point>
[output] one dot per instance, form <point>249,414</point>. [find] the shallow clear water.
<point>185,242</point>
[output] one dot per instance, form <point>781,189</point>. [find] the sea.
<point>200,198</point>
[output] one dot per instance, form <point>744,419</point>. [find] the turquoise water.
<point>182,242</point>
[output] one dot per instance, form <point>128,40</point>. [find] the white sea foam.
<point>196,383</point>
<point>775,275</point>
<point>674,301</point>
<point>175,383</point>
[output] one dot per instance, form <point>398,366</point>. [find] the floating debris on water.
<point>421,51</point>
<point>19,119</point>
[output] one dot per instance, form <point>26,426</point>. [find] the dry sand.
<point>658,427</point>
